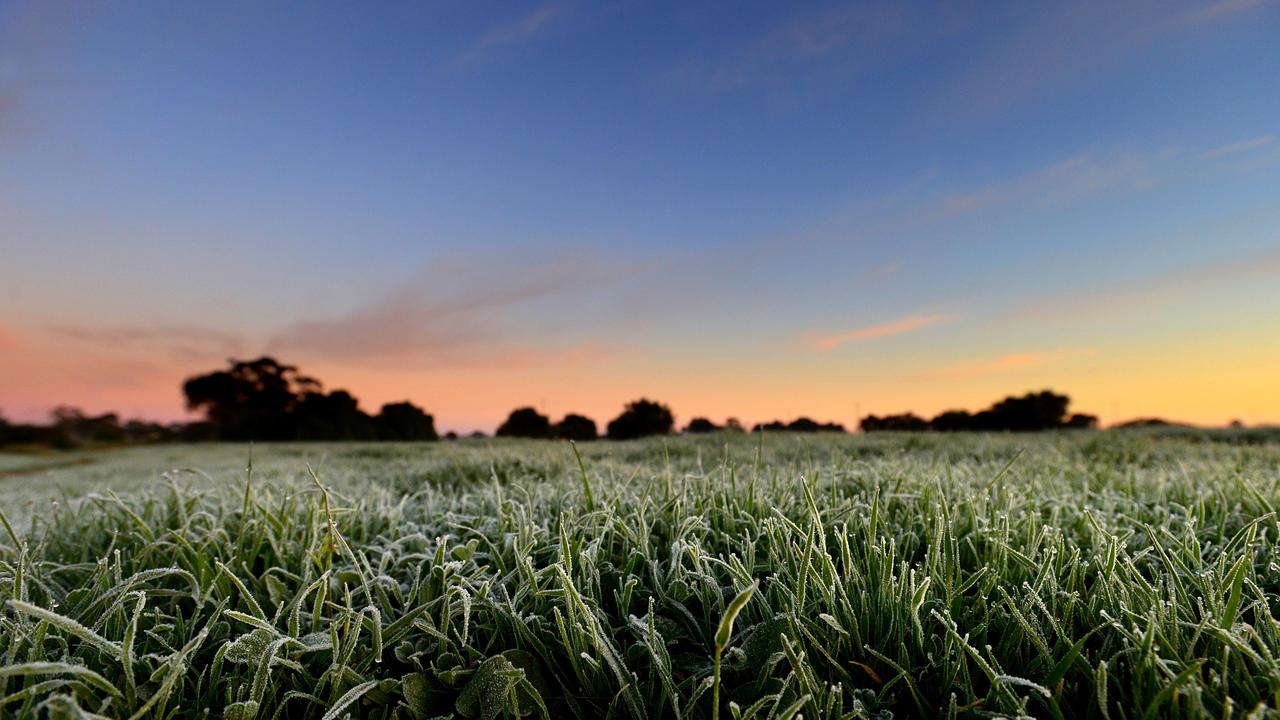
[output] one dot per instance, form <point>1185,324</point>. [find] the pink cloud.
<point>1012,362</point>
<point>908,324</point>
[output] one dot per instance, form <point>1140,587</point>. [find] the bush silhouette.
<point>906,422</point>
<point>72,427</point>
<point>576,427</point>
<point>404,421</point>
<point>1080,421</point>
<point>700,425</point>
<point>952,421</point>
<point>640,419</point>
<point>525,422</point>
<point>1151,422</point>
<point>800,424</point>
<point>808,425</point>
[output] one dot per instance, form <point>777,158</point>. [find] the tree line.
<point>266,400</point>
<point>1044,410</point>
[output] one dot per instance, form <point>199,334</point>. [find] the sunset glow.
<point>445,204</point>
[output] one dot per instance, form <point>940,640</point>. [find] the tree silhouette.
<point>700,425</point>
<point>525,422</point>
<point>1033,411</point>
<point>252,400</point>
<point>333,416</point>
<point>404,421</point>
<point>1044,410</point>
<point>576,427</point>
<point>641,418</point>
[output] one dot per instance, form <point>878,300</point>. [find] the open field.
<point>1077,575</point>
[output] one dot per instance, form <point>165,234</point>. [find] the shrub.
<point>640,419</point>
<point>527,423</point>
<point>576,427</point>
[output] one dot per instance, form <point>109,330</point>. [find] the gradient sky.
<point>756,210</point>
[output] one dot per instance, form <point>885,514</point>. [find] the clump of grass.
<point>1088,575</point>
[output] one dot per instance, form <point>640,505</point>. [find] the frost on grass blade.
<point>1100,575</point>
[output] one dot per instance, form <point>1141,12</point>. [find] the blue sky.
<point>744,208</point>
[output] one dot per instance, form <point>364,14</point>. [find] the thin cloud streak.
<point>1084,175</point>
<point>179,342</point>
<point>1009,363</point>
<point>1217,11</point>
<point>1081,175</point>
<point>842,42</point>
<point>1073,41</point>
<point>517,31</point>
<point>1243,146</point>
<point>908,324</point>
<point>461,313</point>
<point>1155,288</point>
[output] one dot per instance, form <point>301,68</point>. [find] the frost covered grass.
<point>1104,575</point>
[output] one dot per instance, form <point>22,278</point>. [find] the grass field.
<point>1105,575</point>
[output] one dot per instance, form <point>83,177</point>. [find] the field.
<point>1109,575</point>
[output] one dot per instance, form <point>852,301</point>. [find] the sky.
<point>757,210</point>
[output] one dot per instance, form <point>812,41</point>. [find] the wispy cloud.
<point>1236,148</point>
<point>463,312</point>
<point>1098,172</point>
<point>176,342</point>
<point>518,31</point>
<point>1010,363</point>
<point>823,342</point>
<point>884,270</point>
<point>1080,175</point>
<point>1154,288</point>
<point>834,43</point>
<point>1073,41</point>
<point>912,215</point>
<point>1217,11</point>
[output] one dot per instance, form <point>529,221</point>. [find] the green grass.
<point>1108,575</point>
